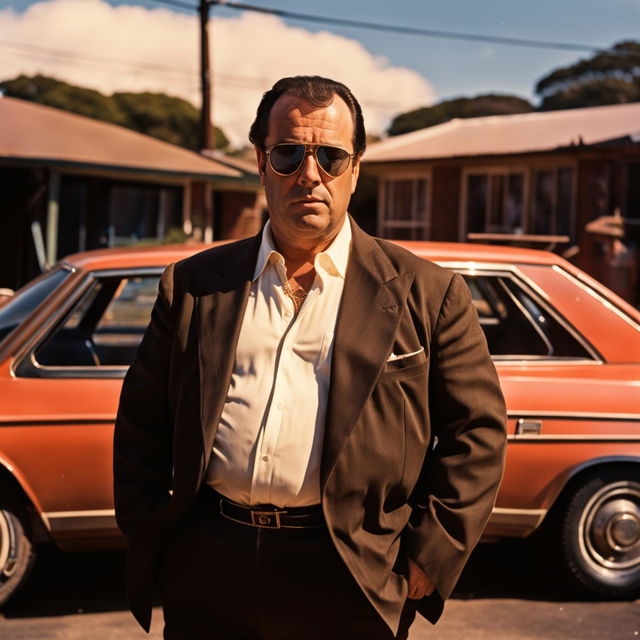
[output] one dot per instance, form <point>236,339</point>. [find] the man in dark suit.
<point>311,437</point>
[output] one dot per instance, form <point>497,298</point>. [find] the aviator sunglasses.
<point>287,157</point>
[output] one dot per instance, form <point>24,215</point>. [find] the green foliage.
<point>168,118</point>
<point>58,94</point>
<point>484,105</point>
<point>606,78</point>
<point>155,114</point>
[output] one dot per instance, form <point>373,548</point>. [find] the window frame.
<point>412,223</point>
<point>27,365</point>
<point>528,171</point>
<point>532,290</point>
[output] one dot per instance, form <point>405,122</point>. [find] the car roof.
<point>162,255</point>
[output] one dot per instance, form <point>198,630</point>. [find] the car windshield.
<point>18,308</point>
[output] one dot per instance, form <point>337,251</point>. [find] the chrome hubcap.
<point>609,528</point>
<point>7,547</point>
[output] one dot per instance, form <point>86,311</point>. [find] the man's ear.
<point>261,159</point>
<point>355,173</point>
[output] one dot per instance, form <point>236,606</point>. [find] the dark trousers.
<point>222,580</point>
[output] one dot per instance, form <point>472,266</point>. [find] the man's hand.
<point>419,584</point>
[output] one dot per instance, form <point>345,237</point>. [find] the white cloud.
<point>488,52</point>
<point>249,53</point>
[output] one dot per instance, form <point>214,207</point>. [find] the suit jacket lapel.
<point>220,312</point>
<point>370,311</point>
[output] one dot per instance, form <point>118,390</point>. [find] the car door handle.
<point>526,426</point>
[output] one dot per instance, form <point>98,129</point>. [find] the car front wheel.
<point>600,533</point>
<point>17,554</point>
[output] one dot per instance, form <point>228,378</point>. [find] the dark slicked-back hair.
<point>319,92</point>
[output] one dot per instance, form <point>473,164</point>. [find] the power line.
<point>174,72</point>
<point>416,31</point>
<point>433,33</point>
<point>78,56</point>
<point>177,3</point>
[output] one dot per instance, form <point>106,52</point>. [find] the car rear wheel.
<point>17,554</point>
<point>600,533</point>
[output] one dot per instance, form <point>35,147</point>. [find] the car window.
<point>105,326</point>
<point>25,301</point>
<point>518,324</point>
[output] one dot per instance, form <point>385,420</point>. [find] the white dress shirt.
<point>269,441</point>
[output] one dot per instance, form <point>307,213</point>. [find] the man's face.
<point>307,208</point>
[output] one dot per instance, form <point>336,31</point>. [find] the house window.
<point>405,209</point>
<point>552,201</point>
<point>495,203</point>
<point>139,212</point>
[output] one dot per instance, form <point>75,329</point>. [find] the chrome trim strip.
<point>543,361</point>
<point>81,520</point>
<point>574,415</point>
<point>598,296</point>
<point>56,422</point>
<point>68,266</point>
<point>478,266</point>
<point>523,513</point>
<point>76,514</point>
<point>36,370</point>
<point>134,271</point>
<point>509,523</point>
<point>553,437</point>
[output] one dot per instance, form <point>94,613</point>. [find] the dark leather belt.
<point>270,517</point>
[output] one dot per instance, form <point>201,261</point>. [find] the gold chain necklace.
<point>297,297</point>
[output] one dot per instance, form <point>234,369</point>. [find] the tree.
<point>166,117</point>
<point>61,95</point>
<point>483,105</point>
<point>611,77</point>
<point>155,114</point>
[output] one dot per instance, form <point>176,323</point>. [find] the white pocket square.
<point>401,356</point>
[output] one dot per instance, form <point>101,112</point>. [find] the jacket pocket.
<point>404,368</point>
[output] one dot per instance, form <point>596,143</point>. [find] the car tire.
<point>17,554</point>
<point>600,532</point>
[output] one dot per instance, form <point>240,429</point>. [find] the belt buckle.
<point>266,519</point>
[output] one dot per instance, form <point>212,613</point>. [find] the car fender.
<point>557,489</point>
<point>7,466</point>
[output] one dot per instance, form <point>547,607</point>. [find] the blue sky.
<point>455,67</point>
<point>449,67</point>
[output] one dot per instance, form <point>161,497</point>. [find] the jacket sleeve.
<point>462,473</point>
<point>142,462</point>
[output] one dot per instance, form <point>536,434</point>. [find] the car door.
<point>63,396</point>
<point>544,365</point>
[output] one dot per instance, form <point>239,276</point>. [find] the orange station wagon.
<point>567,351</point>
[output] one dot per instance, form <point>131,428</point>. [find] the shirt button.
<point>280,405</point>
<point>265,458</point>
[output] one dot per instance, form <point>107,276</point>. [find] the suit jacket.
<point>413,447</point>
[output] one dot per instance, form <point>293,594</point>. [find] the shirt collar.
<point>267,250</point>
<point>337,252</point>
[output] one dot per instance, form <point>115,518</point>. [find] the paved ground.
<point>506,593</point>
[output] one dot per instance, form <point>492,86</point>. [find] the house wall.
<point>445,203</point>
<point>600,187</point>
<point>237,214</point>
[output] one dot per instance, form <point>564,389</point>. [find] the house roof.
<point>34,133</point>
<point>512,134</point>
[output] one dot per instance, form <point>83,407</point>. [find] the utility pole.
<point>206,137</point>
